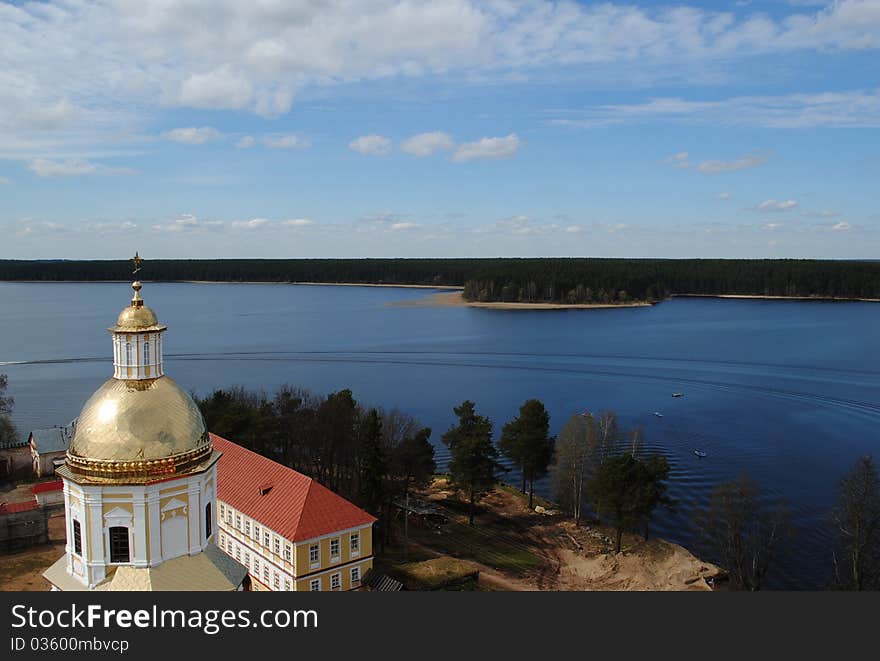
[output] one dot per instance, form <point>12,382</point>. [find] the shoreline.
<point>456,299</point>
<point>765,297</point>
<point>457,289</point>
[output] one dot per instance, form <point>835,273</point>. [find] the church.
<point>140,479</point>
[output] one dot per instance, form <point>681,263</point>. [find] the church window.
<point>128,360</point>
<point>77,538</point>
<point>209,526</point>
<point>146,353</point>
<point>119,551</point>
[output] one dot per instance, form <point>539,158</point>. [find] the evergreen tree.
<point>413,460</point>
<point>625,490</point>
<point>526,441</point>
<point>474,465</point>
<point>374,464</point>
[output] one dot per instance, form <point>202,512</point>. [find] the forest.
<point>533,280</point>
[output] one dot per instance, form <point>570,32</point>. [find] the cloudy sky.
<point>374,128</point>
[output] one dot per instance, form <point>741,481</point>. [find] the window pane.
<point>119,544</point>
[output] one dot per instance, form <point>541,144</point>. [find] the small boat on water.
<point>658,414</point>
<point>699,453</point>
<point>677,394</point>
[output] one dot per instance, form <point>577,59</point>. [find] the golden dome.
<point>138,427</point>
<point>137,317</point>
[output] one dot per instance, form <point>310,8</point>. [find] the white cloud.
<point>744,163</point>
<point>682,160</point>
<point>371,145</point>
<point>724,196</point>
<point>679,160</point>
<point>842,226</point>
<point>776,205</point>
<point>286,142</point>
<point>425,144</point>
<point>573,229</point>
<point>772,226</point>
<point>188,223</point>
<point>246,142</point>
<point>192,135</point>
<point>4,181</point>
<point>503,147</point>
<point>847,109</point>
<point>253,224</point>
<point>72,167</point>
<point>403,226</point>
<point>298,222</point>
<point>81,73</point>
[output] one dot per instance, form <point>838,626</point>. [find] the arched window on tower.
<point>209,525</point>
<point>146,353</point>
<point>128,360</point>
<point>119,551</point>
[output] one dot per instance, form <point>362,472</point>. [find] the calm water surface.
<point>787,392</point>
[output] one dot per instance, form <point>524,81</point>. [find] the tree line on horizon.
<point>528,280</point>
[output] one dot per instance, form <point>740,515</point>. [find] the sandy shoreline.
<point>456,299</point>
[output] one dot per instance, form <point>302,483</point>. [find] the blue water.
<point>787,392</point>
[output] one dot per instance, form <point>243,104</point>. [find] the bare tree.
<point>571,467</point>
<point>744,534</point>
<point>857,526</point>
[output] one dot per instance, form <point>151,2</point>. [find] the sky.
<point>401,128</point>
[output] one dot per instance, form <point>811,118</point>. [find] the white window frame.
<point>338,578</point>
<point>313,564</point>
<point>335,556</point>
<point>355,576</point>
<point>315,585</point>
<point>354,544</point>
<point>288,553</point>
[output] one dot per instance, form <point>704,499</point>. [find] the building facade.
<point>49,448</point>
<point>289,531</point>
<point>140,479</point>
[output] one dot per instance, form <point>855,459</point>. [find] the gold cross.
<point>137,262</point>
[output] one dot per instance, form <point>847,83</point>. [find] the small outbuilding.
<point>49,448</point>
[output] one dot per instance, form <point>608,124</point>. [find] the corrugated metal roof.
<point>54,439</point>
<point>290,503</point>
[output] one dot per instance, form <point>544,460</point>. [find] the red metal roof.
<point>23,506</point>
<point>290,503</point>
<point>43,487</point>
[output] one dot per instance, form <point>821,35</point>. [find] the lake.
<point>787,392</point>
